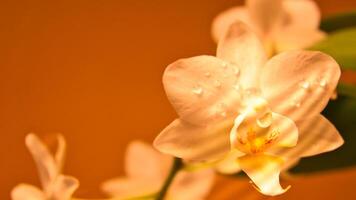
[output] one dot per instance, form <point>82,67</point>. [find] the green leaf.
<point>342,113</point>
<point>341,45</point>
<point>339,21</point>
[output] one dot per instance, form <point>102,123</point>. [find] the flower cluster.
<point>254,107</point>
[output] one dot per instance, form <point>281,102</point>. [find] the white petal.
<point>321,133</point>
<point>201,89</point>
<point>27,192</point>
<point>195,143</point>
<point>64,187</point>
<point>316,135</point>
<point>229,164</point>
<point>224,20</point>
<point>142,161</point>
<point>264,171</point>
<point>301,14</point>
<point>45,163</point>
<point>294,39</point>
<point>192,185</point>
<point>299,84</point>
<point>124,188</point>
<point>287,131</point>
<point>241,46</point>
<point>268,15</point>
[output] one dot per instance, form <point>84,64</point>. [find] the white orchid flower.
<point>281,24</point>
<point>147,169</point>
<point>255,115</point>
<point>55,185</point>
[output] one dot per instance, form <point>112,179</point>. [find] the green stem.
<point>177,165</point>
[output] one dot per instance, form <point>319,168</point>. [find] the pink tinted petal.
<point>45,163</point>
<point>286,129</point>
<point>301,14</point>
<point>296,39</point>
<point>264,171</point>
<point>299,84</point>
<point>316,135</point>
<point>268,15</point>
<point>241,47</point>
<point>60,153</point>
<point>156,165</point>
<point>195,143</point>
<point>224,20</point>
<point>201,89</point>
<point>192,185</point>
<point>229,164</point>
<point>124,188</point>
<point>27,192</point>
<point>64,187</point>
<point>321,133</point>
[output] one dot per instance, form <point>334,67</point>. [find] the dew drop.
<point>236,71</point>
<point>305,85</point>
<point>207,74</point>
<point>236,87</point>
<point>251,93</point>
<point>296,103</point>
<point>198,91</point>
<point>225,64</point>
<point>223,114</point>
<point>265,120</point>
<point>217,83</point>
<point>323,83</point>
<point>221,110</point>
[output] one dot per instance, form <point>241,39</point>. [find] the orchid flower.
<point>55,185</point>
<point>281,24</point>
<point>146,171</point>
<point>246,113</point>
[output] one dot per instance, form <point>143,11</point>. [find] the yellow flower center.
<point>253,130</point>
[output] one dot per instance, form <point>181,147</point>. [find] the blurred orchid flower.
<point>247,114</point>
<point>281,24</point>
<point>147,169</point>
<point>55,185</point>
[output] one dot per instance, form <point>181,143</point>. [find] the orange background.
<point>92,70</point>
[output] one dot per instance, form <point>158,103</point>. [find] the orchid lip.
<point>252,129</point>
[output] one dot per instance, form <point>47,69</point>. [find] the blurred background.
<point>92,71</point>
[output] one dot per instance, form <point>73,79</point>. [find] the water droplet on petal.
<point>225,64</point>
<point>251,93</point>
<point>217,83</point>
<point>296,103</point>
<point>223,114</point>
<point>198,91</point>
<point>265,120</point>
<point>236,71</point>
<point>221,110</point>
<point>305,85</point>
<point>207,74</point>
<point>323,83</point>
<point>236,87</point>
